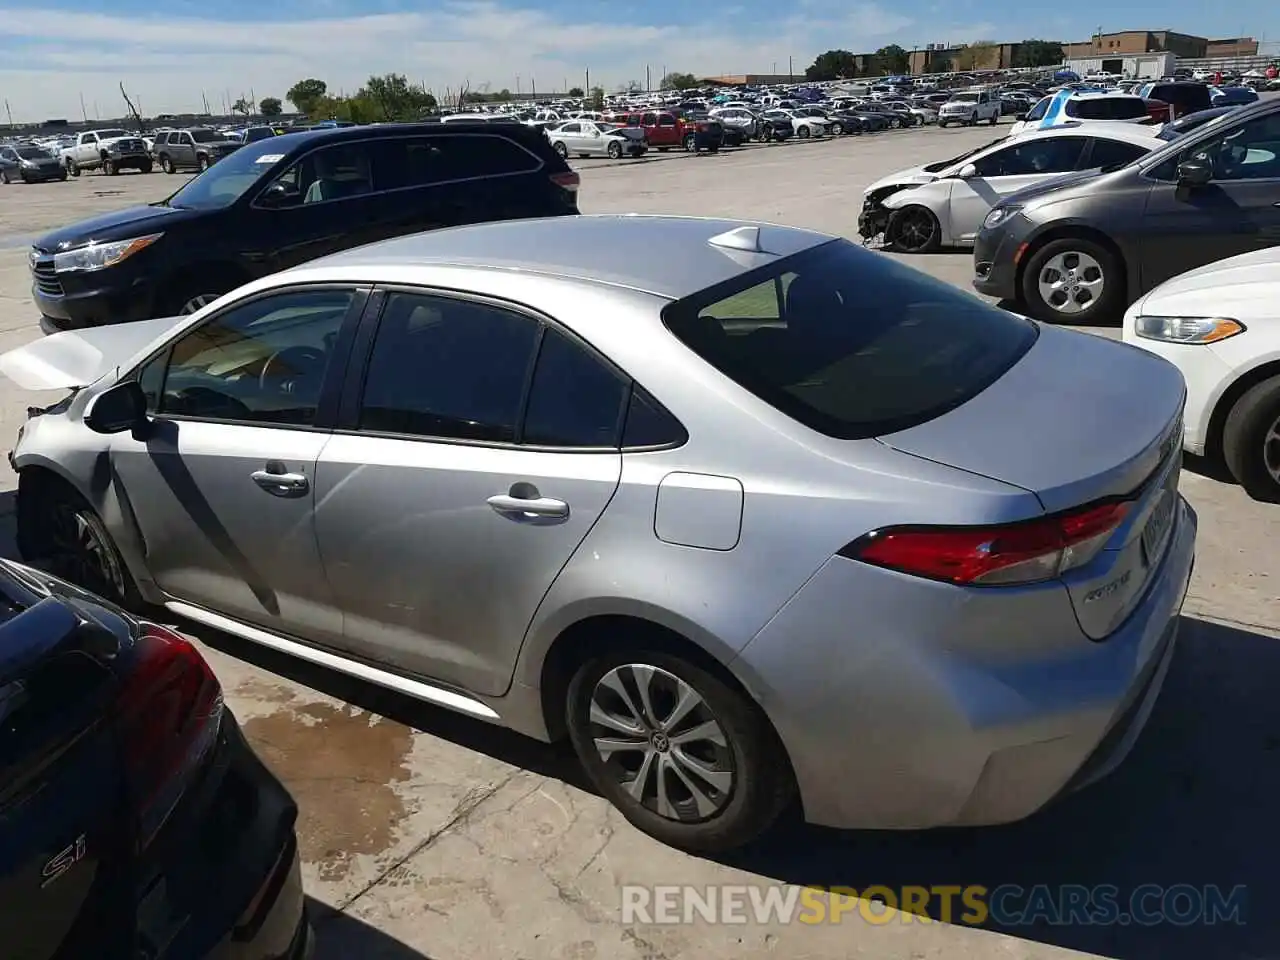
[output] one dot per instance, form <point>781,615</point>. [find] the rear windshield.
<point>1107,108</point>
<point>850,343</point>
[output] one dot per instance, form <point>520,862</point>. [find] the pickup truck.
<point>107,150</point>
<point>664,129</point>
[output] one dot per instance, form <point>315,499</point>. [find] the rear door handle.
<point>281,484</point>
<point>531,507</point>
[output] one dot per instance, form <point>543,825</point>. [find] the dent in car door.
<point>221,488</point>
<point>439,534</point>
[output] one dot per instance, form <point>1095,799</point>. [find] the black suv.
<point>198,148</point>
<point>283,201</point>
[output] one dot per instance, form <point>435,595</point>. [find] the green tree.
<point>393,98</point>
<point>307,94</point>
<point>597,98</point>
<point>1038,53</point>
<point>679,81</point>
<point>242,107</point>
<point>270,107</point>
<point>575,92</point>
<point>503,95</point>
<point>979,55</point>
<point>891,60</point>
<point>832,65</point>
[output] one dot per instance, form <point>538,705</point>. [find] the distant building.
<point>996,56</point>
<point>754,79</point>
<point>1184,45</point>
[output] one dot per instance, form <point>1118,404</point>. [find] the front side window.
<point>849,343</point>
<point>571,128</point>
<point>1040,109</point>
<point>1249,151</point>
<point>260,362</point>
<point>1050,155</point>
<point>1113,154</point>
<point>450,369</point>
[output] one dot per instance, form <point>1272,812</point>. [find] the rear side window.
<point>1107,108</point>
<point>1114,153</point>
<point>848,343</point>
<point>1038,111</point>
<point>575,400</point>
<point>417,161</point>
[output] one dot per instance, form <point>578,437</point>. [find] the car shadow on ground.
<point>342,937</point>
<point>1191,808</point>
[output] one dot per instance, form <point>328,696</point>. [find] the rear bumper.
<point>933,707</point>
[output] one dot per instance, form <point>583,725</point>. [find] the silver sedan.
<point>589,138</point>
<point>744,511</point>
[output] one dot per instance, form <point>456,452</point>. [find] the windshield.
<point>943,164</point>
<point>227,180</point>
<point>848,343</point>
<point>112,134</point>
<point>254,134</point>
<point>965,98</point>
<point>32,153</point>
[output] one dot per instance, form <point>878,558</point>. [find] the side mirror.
<point>967,171</point>
<point>1021,116</point>
<point>1194,173</point>
<point>276,195</point>
<point>121,408</point>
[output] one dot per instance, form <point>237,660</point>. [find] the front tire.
<point>202,164</point>
<point>109,167</point>
<point>1073,280</point>
<point>73,168</point>
<point>804,133</point>
<point>68,539</point>
<point>4,176</point>
<point>837,129</point>
<point>690,143</point>
<point>1251,441</point>
<point>914,229</point>
<point>166,165</point>
<point>562,150</point>
<point>145,167</point>
<point>695,765</point>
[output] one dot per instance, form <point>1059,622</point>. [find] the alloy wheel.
<point>1071,282</point>
<point>1271,450</point>
<point>660,739</point>
<point>81,555</point>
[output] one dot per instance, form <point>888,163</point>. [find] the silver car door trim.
<point>417,689</point>
<point>280,482</point>
<point>533,507</point>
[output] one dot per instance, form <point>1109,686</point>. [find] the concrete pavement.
<point>426,834</point>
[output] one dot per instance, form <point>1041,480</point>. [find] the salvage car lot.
<point>455,839</point>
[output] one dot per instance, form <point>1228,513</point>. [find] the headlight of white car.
<point>1187,329</point>
<point>998,216</point>
<point>98,256</point>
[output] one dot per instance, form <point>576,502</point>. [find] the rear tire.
<point>202,164</point>
<point>615,151</point>
<point>740,770</point>
<point>1251,441</point>
<point>690,143</point>
<point>837,129</point>
<point>146,166</point>
<point>562,150</point>
<point>167,165</point>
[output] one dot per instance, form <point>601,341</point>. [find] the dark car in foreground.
<point>280,202</point>
<point>1086,246</point>
<point>29,164</point>
<point>135,821</point>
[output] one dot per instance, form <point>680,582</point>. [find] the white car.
<point>921,209</point>
<point>805,126</point>
<point>969,108</point>
<point>1220,325</point>
<point>586,138</point>
<point>1093,106</point>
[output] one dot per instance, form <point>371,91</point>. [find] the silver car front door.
<point>1004,172</point>
<point>222,485</point>
<point>444,517</point>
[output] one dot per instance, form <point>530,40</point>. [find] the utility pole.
<point>587,88</point>
<point>253,102</point>
<point>8,113</point>
<point>533,87</point>
<point>791,69</point>
<point>83,112</point>
<point>517,86</point>
<point>648,83</point>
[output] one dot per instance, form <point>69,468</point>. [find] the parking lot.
<point>426,834</point>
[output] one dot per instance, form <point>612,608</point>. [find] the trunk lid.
<point>77,358</point>
<point>1078,419</point>
<point>61,785</point>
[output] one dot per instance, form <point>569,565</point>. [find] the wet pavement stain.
<point>341,765</point>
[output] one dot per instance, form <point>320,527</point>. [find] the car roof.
<point>1129,132</point>
<point>666,256</point>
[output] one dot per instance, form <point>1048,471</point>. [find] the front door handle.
<point>529,506</point>
<point>281,484</point>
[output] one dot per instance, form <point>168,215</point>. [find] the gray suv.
<point>197,148</point>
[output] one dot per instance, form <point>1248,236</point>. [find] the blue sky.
<point>168,53</point>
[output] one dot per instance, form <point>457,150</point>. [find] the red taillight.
<point>567,181</point>
<point>992,556</point>
<point>169,713</point>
